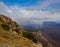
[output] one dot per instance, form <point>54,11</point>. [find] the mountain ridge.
<point>12,35</point>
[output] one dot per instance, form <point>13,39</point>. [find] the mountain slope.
<point>52,29</point>
<point>12,35</point>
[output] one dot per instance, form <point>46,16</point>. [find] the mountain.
<point>12,35</point>
<point>30,26</point>
<point>45,39</point>
<point>52,30</point>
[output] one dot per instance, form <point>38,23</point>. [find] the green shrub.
<point>5,26</point>
<point>17,30</point>
<point>29,36</point>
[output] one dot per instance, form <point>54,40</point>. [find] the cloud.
<point>46,3</point>
<point>24,16</point>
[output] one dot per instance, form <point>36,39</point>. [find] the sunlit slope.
<point>12,35</point>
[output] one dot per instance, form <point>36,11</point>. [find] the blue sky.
<point>53,6</point>
<point>22,10</point>
<point>43,4</point>
<point>20,2</point>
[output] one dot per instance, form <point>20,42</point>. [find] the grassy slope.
<point>8,38</point>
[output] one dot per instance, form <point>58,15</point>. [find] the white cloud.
<point>24,16</point>
<point>10,11</point>
<point>46,3</point>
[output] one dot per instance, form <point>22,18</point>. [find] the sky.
<point>43,4</point>
<point>31,11</point>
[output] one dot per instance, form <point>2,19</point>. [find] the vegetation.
<point>17,30</point>
<point>5,26</point>
<point>29,36</point>
<point>9,37</point>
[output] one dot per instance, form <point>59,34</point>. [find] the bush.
<point>17,30</point>
<point>5,26</point>
<point>29,36</point>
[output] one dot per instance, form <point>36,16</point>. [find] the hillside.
<point>45,40</point>
<point>11,35</point>
<point>52,29</point>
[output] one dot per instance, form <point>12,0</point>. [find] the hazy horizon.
<point>31,11</point>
